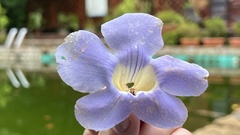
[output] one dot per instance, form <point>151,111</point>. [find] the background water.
<point>47,107</point>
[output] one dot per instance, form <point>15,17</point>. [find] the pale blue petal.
<point>179,77</point>
<point>134,59</point>
<point>160,109</point>
<point>134,30</point>
<point>103,109</point>
<point>84,62</point>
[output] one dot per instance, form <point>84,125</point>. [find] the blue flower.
<point>123,78</point>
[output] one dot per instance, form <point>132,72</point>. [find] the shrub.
<point>190,30</point>
<point>170,16</point>
<point>236,28</point>
<point>215,27</point>
<point>171,37</point>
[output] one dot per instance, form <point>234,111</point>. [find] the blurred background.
<point>33,99</point>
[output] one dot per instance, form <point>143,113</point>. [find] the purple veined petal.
<point>180,78</point>
<point>134,60</point>
<point>103,109</point>
<point>84,62</point>
<point>160,109</point>
<point>134,29</point>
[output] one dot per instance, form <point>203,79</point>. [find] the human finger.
<point>130,126</point>
<point>90,132</point>
<point>181,131</point>
<point>147,129</point>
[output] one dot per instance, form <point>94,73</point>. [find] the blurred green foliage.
<point>236,29</point>
<point>3,18</point>
<point>189,30</point>
<point>4,21</point>
<point>215,27</point>
<point>16,12</point>
<point>129,6</point>
<point>170,16</point>
<point>172,20</point>
<point>68,21</point>
<point>35,20</point>
<point>5,90</point>
<point>90,25</point>
<point>171,37</point>
<point>5,94</point>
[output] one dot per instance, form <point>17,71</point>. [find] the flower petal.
<point>160,109</point>
<point>103,109</point>
<point>134,60</point>
<point>180,78</point>
<point>84,62</point>
<point>134,29</point>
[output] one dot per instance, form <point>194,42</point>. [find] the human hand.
<point>133,126</point>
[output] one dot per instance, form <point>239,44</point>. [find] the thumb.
<point>129,126</point>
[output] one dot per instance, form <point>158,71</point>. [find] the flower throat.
<point>129,79</point>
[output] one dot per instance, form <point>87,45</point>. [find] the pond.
<point>47,106</point>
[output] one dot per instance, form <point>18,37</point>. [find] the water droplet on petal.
<point>103,88</point>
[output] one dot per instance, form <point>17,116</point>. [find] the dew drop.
<point>103,88</point>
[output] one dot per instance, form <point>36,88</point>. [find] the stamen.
<point>133,91</point>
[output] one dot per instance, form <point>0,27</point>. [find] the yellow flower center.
<point>129,80</point>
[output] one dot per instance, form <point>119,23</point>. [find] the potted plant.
<point>215,32</point>
<point>171,37</point>
<point>235,41</point>
<point>189,34</point>
<point>171,20</point>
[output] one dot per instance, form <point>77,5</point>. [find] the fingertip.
<point>147,129</point>
<point>90,132</point>
<point>181,131</point>
<point>129,126</point>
